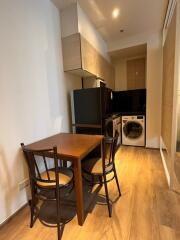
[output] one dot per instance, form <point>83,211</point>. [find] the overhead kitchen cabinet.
<point>84,50</point>
<point>81,58</point>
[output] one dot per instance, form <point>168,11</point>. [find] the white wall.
<point>69,20</point>
<point>153,82</point>
<point>154,91</point>
<point>33,89</point>
<point>74,20</point>
<point>89,32</point>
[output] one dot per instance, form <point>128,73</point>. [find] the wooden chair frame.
<point>102,178</point>
<point>37,191</point>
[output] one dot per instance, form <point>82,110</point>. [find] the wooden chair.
<point>46,180</point>
<point>99,168</point>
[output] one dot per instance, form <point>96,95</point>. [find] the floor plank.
<point>147,210</point>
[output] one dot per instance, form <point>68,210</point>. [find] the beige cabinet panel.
<point>130,74</point>
<point>106,71</point>
<point>140,73</point>
<point>71,48</point>
<point>168,85</point>
<point>136,73</point>
<point>81,58</point>
<point>169,104</point>
<point>89,56</point>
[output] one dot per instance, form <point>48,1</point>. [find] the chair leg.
<point>60,227</point>
<point>59,231</point>
<point>107,196</point>
<point>32,204</point>
<point>117,182</point>
<point>32,207</point>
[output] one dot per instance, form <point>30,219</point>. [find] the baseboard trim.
<point>13,215</point>
<point>153,148</point>
<point>164,163</point>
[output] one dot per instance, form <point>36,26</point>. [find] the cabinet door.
<point>71,52</point>
<point>89,57</point>
<point>106,71</point>
<point>140,73</point>
<point>131,74</point>
<point>93,62</point>
<point>81,58</point>
<point>136,74</point>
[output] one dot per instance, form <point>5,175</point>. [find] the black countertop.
<point>131,113</point>
<point>117,114</point>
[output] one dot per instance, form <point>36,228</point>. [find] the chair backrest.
<point>110,149</point>
<point>39,161</point>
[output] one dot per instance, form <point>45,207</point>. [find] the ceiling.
<point>135,51</point>
<point>136,16</point>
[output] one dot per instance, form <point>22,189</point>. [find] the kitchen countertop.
<point>118,114</point>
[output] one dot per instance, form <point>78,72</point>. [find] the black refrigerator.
<point>90,107</point>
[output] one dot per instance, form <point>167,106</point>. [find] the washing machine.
<point>133,130</point>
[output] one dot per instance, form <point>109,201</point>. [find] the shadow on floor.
<point>47,214</point>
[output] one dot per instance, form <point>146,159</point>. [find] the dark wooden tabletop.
<point>69,146</point>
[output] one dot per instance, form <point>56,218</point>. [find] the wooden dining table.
<point>72,147</point>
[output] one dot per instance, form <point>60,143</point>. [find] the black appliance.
<point>89,109</point>
<point>129,102</point>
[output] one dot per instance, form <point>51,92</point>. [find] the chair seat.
<point>65,176</point>
<point>95,166</point>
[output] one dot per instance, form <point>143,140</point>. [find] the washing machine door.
<point>132,130</point>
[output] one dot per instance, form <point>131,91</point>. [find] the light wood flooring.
<point>147,210</point>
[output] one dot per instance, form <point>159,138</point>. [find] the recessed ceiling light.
<point>115,13</point>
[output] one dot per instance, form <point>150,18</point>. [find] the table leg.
<point>79,192</point>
